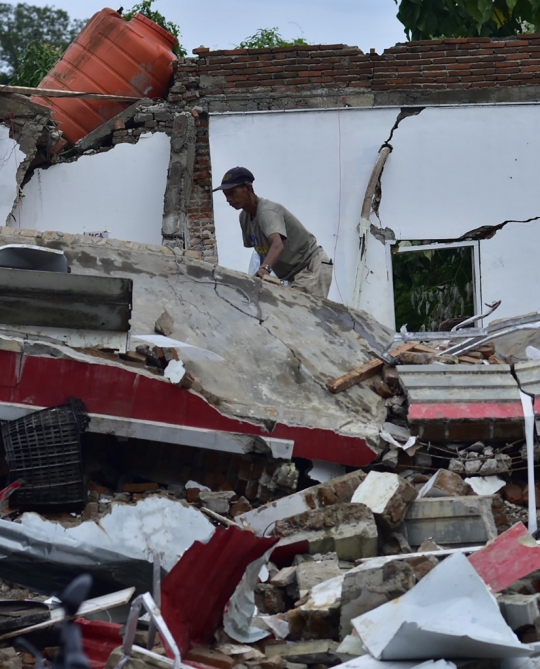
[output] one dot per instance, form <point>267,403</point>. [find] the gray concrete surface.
<point>280,345</point>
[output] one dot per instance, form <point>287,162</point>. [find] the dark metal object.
<point>44,449</point>
<point>15,614</point>
<point>58,300</point>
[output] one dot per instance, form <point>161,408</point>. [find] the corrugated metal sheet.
<point>458,383</point>
<point>60,300</point>
<point>198,587</point>
<point>463,402</point>
<point>528,375</point>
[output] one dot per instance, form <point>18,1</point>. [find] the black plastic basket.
<point>44,449</point>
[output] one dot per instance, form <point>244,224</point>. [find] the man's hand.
<point>262,272</point>
<point>272,256</point>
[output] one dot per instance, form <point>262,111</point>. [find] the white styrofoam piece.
<point>449,613</point>
<point>485,485</point>
<point>154,526</point>
<point>175,371</point>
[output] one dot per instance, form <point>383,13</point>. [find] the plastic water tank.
<point>114,56</point>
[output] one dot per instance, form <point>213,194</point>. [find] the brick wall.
<point>315,76</point>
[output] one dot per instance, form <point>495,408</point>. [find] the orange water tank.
<point>114,56</point>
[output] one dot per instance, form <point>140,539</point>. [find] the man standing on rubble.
<point>283,244</point>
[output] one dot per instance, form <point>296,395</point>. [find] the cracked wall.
<point>455,173</point>
<point>120,191</point>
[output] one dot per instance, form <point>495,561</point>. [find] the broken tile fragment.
<point>509,557</point>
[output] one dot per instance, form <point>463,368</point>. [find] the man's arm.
<point>275,250</point>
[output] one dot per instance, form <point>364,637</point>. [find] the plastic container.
<point>114,56</point>
<point>44,449</point>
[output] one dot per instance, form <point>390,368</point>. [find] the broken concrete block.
<point>445,483</point>
<point>309,574</point>
<point>284,577</point>
<point>217,501</point>
<point>164,324</point>
<point>365,588</point>
<point>321,651</point>
<point>209,657</point>
<point>422,565</point>
<point>519,610</point>
<point>456,466</point>
<point>239,507</point>
<point>334,491</point>
<point>270,599</point>
<point>266,663</point>
<point>314,624</point>
<point>10,659</point>
<point>513,493</point>
<point>138,660</point>
<point>346,529</point>
<point>450,521</point>
<point>387,495</point>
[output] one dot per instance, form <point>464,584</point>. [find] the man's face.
<point>237,197</point>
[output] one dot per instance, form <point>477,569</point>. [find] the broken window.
<point>435,285</point>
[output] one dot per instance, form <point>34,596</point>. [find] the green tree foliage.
<point>145,8</point>
<point>268,37</point>
<point>35,63</point>
<point>432,286</point>
<point>22,24</point>
<point>430,19</point>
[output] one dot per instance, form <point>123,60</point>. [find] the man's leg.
<point>316,277</point>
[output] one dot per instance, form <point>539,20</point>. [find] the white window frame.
<point>477,292</point>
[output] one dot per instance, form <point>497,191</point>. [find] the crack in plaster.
<point>404,113</point>
<point>489,231</point>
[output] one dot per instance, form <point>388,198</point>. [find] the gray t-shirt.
<point>299,244</point>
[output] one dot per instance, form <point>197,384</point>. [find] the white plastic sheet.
<point>449,613</point>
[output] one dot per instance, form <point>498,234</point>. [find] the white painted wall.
<point>452,170</point>
<point>317,164</point>
<point>10,158</point>
<point>120,190</point>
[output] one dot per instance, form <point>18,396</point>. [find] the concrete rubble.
<point>215,512</point>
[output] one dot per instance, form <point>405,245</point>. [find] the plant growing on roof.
<point>145,8</point>
<point>431,19</point>
<point>35,63</point>
<point>268,37</point>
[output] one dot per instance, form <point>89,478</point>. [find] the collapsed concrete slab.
<point>255,326</point>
